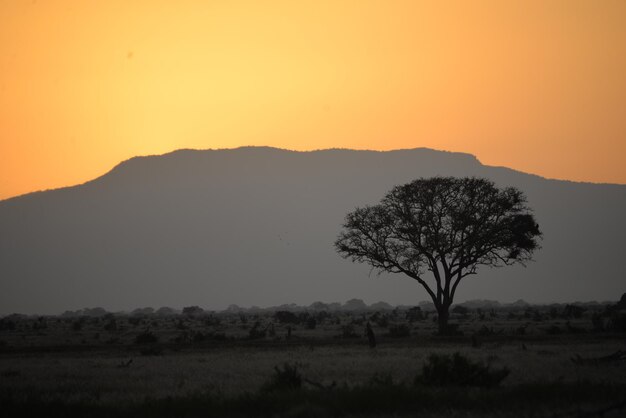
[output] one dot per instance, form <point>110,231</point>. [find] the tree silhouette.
<point>445,225</point>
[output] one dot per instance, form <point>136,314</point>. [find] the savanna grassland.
<point>514,361</point>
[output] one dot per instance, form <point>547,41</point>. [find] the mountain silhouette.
<point>256,226</point>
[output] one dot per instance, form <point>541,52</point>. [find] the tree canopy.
<point>444,225</point>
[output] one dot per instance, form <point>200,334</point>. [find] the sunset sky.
<point>539,86</point>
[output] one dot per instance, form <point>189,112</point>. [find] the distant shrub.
<point>481,314</point>
<point>399,331</point>
<point>554,312</point>
<point>40,324</point>
<point>460,310</point>
<point>111,325</point>
<point>7,325</point>
<point>256,332</point>
<point>450,330</point>
<point>534,314</point>
<point>380,319</point>
<point>347,331</point>
<point>573,311</point>
<point>310,323</point>
<point>485,331</point>
<point>287,377</point>
<point>146,337</point>
<point>458,370</point>
<point>612,319</point>
<point>358,321</point>
<point>211,321</point>
<point>415,314</point>
<point>135,320</point>
<point>322,315</point>
<point>192,310</point>
<point>165,311</point>
<point>143,311</point>
<point>617,322</point>
<point>597,322</point>
<point>286,317</point>
<point>383,321</point>
<point>78,324</point>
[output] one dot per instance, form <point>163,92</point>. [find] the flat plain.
<point>558,361</point>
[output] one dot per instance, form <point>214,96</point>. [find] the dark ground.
<point>526,362</point>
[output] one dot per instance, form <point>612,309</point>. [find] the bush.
<point>347,331</point>
<point>310,323</point>
<point>286,378</point>
<point>485,331</point>
<point>78,324</point>
<point>135,320</point>
<point>111,325</point>
<point>573,311</point>
<point>450,330</point>
<point>212,321</point>
<point>199,337</point>
<point>286,317</point>
<point>597,322</point>
<point>146,337</point>
<point>192,310</point>
<point>382,320</point>
<point>7,325</point>
<point>256,332</point>
<point>457,370</point>
<point>618,322</point>
<point>414,314</point>
<point>460,310</point>
<point>399,331</point>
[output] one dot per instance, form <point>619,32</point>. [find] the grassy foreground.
<point>510,364</point>
<point>555,399</point>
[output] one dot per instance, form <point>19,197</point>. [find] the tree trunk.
<point>442,319</point>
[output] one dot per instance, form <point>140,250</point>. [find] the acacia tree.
<point>443,225</point>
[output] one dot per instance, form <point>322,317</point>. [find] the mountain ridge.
<point>255,147</point>
<point>271,148</point>
<point>255,226</point>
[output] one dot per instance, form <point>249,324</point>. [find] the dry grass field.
<point>270,365</point>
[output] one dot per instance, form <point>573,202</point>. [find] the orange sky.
<point>538,86</point>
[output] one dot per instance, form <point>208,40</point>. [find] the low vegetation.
<point>502,361</point>
<point>458,370</point>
